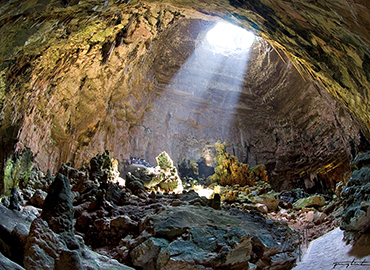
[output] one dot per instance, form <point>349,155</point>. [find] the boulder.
<point>123,222</point>
<point>164,176</point>
<point>14,229</point>
<point>293,195</point>
<point>46,249</point>
<point>262,208</point>
<point>151,254</point>
<point>270,200</point>
<point>357,219</point>
<point>312,201</point>
<point>38,198</point>
<point>42,247</point>
<point>361,160</point>
<point>134,183</point>
<point>78,179</point>
<point>315,217</point>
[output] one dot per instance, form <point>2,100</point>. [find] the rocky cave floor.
<point>86,219</point>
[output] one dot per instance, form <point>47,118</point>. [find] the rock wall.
<point>77,79</point>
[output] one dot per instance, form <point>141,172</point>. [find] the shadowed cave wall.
<point>80,78</point>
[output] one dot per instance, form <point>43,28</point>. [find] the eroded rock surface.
<point>110,75</point>
<point>356,195</point>
<point>159,230</point>
<point>51,242</point>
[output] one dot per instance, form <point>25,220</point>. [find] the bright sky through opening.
<point>228,38</point>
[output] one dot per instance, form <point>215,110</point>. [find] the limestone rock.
<point>47,250</point>
<point>17,169</point>
<point>240,254</point>
<point>229,171</point>
<point>196,235</point>
<point>123,222</point>
<point>312,201</point>
<point>361,160</point>
<point>164,176</point>
<point>58,210</point>
<point>13,200</point>
<point>151,254</point>
<point>215,203</point>
<point>261,208</point>
<point>356,217</point>
<point>315,217</point>
<point>292,196</point>
<point>131,68</point>
<point>14,229</point>
<point>38,198</point>
<point>78,179</point>
<point>115,194</point>
<point>270,200</point>
<point>134,184</point>
<point>68,259</point>
<point>41,254</point>
<point>103,167</point>
<point>7,264</point>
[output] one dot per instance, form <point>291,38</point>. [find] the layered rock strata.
<point>78,78</point>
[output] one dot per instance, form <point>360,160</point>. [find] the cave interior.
<point>257,106</point>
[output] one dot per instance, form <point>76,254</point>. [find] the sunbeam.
<point>212,79</point>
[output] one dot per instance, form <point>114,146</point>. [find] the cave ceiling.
<point>79,77</point>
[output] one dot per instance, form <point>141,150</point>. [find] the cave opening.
<point>228,38</point>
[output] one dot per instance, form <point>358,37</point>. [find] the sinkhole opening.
<point>227,38</point>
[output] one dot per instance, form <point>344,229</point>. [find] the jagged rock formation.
<point>151,231</point>
<point>356,196</point>
<point>81,77</point>
<point>51,242</point>
<point>14,228</point>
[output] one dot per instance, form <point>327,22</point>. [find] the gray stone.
<point>38,198</point>
<point>205,237</point>
<point>13,200</point>
<point>58,210</point>
<point>123,222</point>
<point>361,160</point>
<point>187,251</point>
<point>45,249</point>
<point>68,259</point>
<point>6,264</point>
<point>42,247</point>
<point>14,228</point>
<point>355,195</point>
<point>151,254</point>
<point>359,177</point>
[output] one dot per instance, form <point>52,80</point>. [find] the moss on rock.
<point>17,171</point>
<point>229,171</point>
<point>164,161</point>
